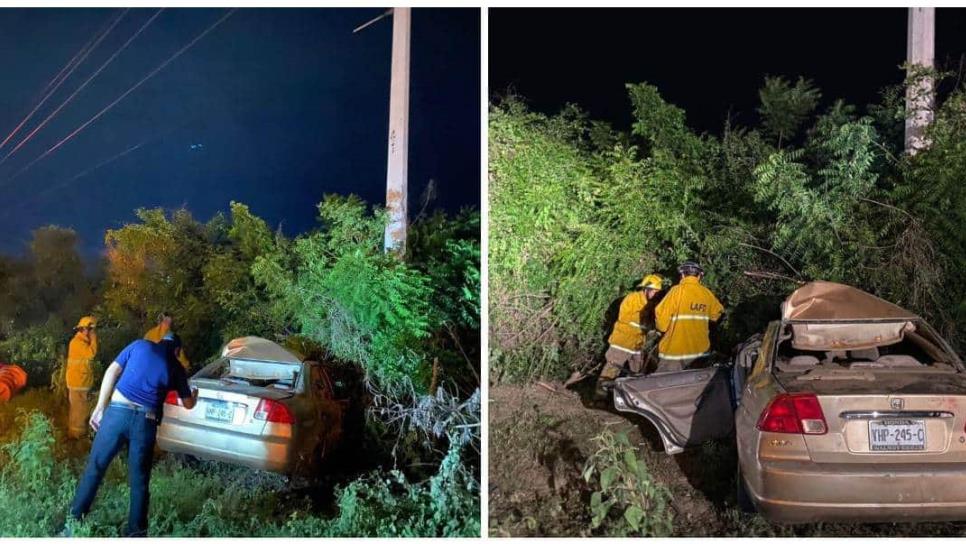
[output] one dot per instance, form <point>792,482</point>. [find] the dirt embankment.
<point>540,439</point>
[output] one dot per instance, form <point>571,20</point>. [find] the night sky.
<point>704,60</point>
<point>273,108</point>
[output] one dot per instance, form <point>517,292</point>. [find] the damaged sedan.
<point>847,408</point>
<point>260,406</point>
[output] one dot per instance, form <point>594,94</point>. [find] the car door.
<point>688,407</point>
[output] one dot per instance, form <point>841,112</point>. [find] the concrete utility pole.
<point>920,52</point>
<point>397,170</point>
<point>397,173</point>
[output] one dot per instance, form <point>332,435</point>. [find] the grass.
<point>39,470</point>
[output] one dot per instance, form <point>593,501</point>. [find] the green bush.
<point>579,212</point>
<point>410,323</point>
<point>342,290</point>
<point>39,350</point>
<point>629,502</point>
<point>37,484</point>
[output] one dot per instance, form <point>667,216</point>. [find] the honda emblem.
<point>897,404</point>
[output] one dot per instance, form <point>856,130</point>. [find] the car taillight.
<point>796,413</point>
<point>172,398</point>
<point>273,412</point>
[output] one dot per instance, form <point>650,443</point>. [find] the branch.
<point>772,253</point>
<point>772,276</point>
<point>890,206</point>
<point>469,363</point>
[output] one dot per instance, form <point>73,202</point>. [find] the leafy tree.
<point>243,306</point>
<point>577,215</point>
<point>158,265</point>
<point>363,305</point>
<point>784,107</point>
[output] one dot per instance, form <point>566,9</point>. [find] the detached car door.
<point>688,407</point>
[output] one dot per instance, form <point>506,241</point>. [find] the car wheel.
<point>187,460</point>
<point>743,499</point>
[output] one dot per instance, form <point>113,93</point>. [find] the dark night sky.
<point>287,104</point>
<point>703,60</point>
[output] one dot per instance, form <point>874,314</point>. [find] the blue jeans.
<point>121,424</point>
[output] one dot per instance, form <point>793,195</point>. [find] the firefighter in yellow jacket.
<point>683,316</point>
<point>80,375</point>
<point>627,339</point>
<point>156,333</point>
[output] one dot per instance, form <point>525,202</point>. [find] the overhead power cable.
<point>83,49</point>
<point>70,67</point>
<point>83,85</point>
<point>143,80</point>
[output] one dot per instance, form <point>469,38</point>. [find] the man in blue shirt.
<point>128,412</point>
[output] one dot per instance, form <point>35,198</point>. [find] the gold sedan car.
<point>848,408</point>
<point>260,406</point>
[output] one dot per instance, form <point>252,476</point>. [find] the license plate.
<point>897,435</point>
<point>219,410</point>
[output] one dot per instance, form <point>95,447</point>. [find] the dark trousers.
<point>137,427</point>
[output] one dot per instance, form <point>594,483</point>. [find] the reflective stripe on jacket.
<point>156,334</point>
<point>628,334</point>
<point>80,366</point>
<point>683,317</point>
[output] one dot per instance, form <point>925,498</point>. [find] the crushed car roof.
<point>255,348</point>
<point>829,301</point>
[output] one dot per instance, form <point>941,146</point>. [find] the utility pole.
<point>920,53</point>
<point>397,171</point>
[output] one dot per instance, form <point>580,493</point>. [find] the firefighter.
<point>683,316</point>
<point>80,375</point>
<point>627,339</point>
<point>156,333</point>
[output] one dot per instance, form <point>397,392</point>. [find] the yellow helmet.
<point>652,281</point>
<point>86,321</point>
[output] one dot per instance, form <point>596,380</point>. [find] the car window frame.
<point>765,360</point>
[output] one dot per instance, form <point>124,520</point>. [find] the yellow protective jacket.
<point>80,365</point>
<point>155,335</point>
<point>683,317</point>
<point>628,333</point>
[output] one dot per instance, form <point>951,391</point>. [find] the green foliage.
<point>37,485</point>
<point>936,197</point>
<point>155,265</point>
<point>387,505</point>
<point>37,349</point>
<point>331,295</point>
<point>578,214</point>
<point>48,284</point>
<point>363,305</point>
<point>820,222</point>
<point>628,502</point>
<point>784,107</point>
<point>228,280</point>
<point>34,486</point>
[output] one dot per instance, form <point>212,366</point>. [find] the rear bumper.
<point>805,492</point>
<point>259,452</point>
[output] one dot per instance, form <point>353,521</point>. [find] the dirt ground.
<point>540,439</point>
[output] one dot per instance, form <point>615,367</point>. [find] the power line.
<point>72,65</point>
<point>82,85</point>
<point>76,55</point>
<point>127,92</point>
